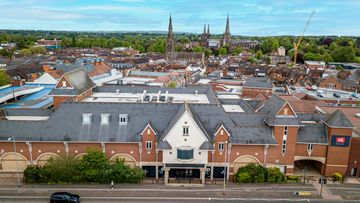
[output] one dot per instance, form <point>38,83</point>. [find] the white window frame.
<point>123,119</point>
<point>105,119</point>
<point>148,145</point>
<point>283,144</point>
<point>87,117</point>
<point>221,146</point>
<point>185,130</point>
<point>310,147</point>
<point>64,83</point>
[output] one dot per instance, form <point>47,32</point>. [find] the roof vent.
<point>357,115</point>
<point>117,91</point>
<point>105,118</point>
<point>123,119</point>
<point>196,93</point>
<point>87,118</point>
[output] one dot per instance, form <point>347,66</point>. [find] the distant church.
<point>180,57</point>
<point>206,40</point>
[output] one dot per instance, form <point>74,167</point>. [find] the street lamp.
<point>225,168</point>
<point>305,170</point>
<point>16,160</point>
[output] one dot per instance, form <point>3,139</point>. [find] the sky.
<point>247,17</point>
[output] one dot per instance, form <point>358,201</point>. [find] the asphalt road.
<point>32,199</point>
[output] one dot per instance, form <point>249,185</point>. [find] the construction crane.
<point>296,45</point>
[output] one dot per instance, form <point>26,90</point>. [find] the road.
<point>32,199</point>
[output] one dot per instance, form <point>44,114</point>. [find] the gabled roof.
<point>164,145</point>
<point>337,119</point>
<point>312,133</point>
<point>78,79</point>
<point>272,107</point>
<point>206,146</point>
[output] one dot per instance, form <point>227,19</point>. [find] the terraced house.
<point>174,132</point>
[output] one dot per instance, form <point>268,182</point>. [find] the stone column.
<point>202,175</point>
<point>157,165</point>
<point>166,175</point>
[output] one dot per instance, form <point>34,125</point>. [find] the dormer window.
<point>123,119</point>
<point>105,119</point>
<point>87,118</point>
<point>64,83</point>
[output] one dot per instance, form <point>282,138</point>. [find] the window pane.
<point>185,154</point>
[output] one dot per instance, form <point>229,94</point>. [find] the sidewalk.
<point>326,194</point>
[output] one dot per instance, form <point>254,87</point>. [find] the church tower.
<point>170,44</point>
<point>204,37</point>
<point>226,36</point>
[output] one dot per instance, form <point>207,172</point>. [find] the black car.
<point>59,197</point>
<point>337,95</point>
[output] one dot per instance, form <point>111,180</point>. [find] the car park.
<point>60,197</point>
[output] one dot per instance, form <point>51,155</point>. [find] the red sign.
<point>340,139</point>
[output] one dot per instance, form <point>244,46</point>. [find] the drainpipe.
<point>30,151</point>
<point>140,153</point>
<point>265,154</point>
<point>66,148</point>
<point>157,164</point>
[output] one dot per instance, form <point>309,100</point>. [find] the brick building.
<point>170,138</point>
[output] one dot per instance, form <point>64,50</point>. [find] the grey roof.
<point>252,135</point>
<point>79,80</point>
<point>272,107</point>
<point>150,89</point>
<point>312,133</point>
<point>317,117</point>
<point>338,119</point>
<point>164,145</point>
<point>242,103</point>
<point>206,146</point>
<point>66,123</point>
<point>27,112</point>
<point>258,82</point>
<point>67,67</point>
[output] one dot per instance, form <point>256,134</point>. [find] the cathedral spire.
<point>208,30</point>
<point>226,36</point>
<point>227,28</point>
<point>204,32</point>
<point>170,44</point>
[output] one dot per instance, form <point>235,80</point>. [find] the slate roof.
<point>258,82</point>
<point>206,146</point>
<point>164,145</point>
<point>312,133</point>
<point>242,103</point>
<point>272,107</point>
<point>79,80</point>
<point>27,112</point>
<point>338,119</point>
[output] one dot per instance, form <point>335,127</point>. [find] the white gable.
<point>46,78</point>
<point>178,140</point>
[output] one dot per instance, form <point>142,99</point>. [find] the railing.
<point>184,180</point>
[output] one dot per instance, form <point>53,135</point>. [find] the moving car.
<point>60,197</point>
<point>337,95</point>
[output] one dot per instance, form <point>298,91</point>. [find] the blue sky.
<point>247,17</point>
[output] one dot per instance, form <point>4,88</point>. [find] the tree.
<point>171,84</point>
<point>4,78</point>
<point>286,43</point>
<point>222,51</point>
<point>198,49</point>
<point>274,175</point>
<point>38,50</point>
<point>312,57</point>
<point>237,50</point>
<point>258,54</point>
<point>268,60</point>
<point>25,52</point>
<point>343,54</point>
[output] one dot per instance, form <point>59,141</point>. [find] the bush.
<point>292,179</point>
<point>274,175</point>
<point>93,167</point>
<point>243,177</point>
<point>256,172</point>
<point>337,177</point>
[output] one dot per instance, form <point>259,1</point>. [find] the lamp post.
<point>305,170</point>
<point>225,168</point>
<point>16,160</point>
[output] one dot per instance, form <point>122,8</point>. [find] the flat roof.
<point>233,108</point>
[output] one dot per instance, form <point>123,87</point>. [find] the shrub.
<point>243,177</point>
<point>274,175</point>
<point>93,167</point>
<point>292,179</point>
<point>256,172</point>
<point>337,177</point>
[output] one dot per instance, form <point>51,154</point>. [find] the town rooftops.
<point>254,82</point>
<point>338,119</point>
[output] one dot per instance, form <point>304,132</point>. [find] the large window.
<point>185,154</point>
<point>283,146</point>
<point>221,146</point>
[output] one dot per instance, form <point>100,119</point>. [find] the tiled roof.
<point>337,119</point>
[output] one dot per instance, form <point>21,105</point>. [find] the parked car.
<point>314,88</point>
<point>59,197</point>
<point>293,88</point>
<point>355,95</point>
<point>337,95</point>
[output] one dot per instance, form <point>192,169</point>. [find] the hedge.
<point>92,168</point>
<point>253,173</point>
